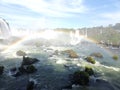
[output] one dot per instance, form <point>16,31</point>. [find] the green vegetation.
<point>115,57</point>
<point>89,70</point>
<point>1,70</point>
<point>90,59</point>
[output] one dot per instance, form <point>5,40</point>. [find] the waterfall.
<point>75,37</point>
<point>4,29</point>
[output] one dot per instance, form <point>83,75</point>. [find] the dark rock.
<point>1,70</point>
<point>17,74</point>
<point>22,69</point>
<point>67,87</point>
<point>89,70</point>
<point>30,69</point>
<point>29,61</point>
<point>13,69</point>
<point>81,78</point>
<point>30,85</point>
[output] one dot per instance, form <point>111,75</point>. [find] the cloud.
<point>112,15</point>
<point>52,8</point>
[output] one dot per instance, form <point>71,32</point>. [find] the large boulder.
<point>1,70</point>
<point>29,61</point>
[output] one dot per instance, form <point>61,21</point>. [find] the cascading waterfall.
<point>75,37</point>
<point>4,29</point>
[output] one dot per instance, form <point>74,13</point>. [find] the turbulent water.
<point>51,74</point>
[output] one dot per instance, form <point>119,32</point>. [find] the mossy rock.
<point>71,53</point>
<point>89,70</point>
<point>90,59</point>
<point>1,70</point>
<point>81,78</point>
<point>31,69</point>
<point>115,57</point>
<point>98,55</point>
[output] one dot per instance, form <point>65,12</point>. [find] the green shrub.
<point>115,57</point>
<point>91,60</point>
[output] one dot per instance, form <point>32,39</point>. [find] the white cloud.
<point>54,8</point>
<point>113,15</point>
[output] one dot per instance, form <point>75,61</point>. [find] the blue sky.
<point>60,13</point>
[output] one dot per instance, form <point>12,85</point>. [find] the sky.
<point>37,14</point>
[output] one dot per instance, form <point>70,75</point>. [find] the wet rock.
<point>69,87</point>
<point>14,72</point>
<point>29,61</point>
<point>30,85</point>
<point>22,69</point>
<point>89,70</point>
<point>27,69</point>
<point>31,69</point>
<point>71,53</point>
<point>81,78</point>
<point>1,70</point>
<point>97,54</point>
<point>13,69</point>
<point>90,59</point>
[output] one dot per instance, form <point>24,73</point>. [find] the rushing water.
<point>51,74</point>
<point>4,29</point>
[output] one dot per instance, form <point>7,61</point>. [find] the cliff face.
<point>4,29</point>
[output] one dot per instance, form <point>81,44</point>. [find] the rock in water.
<point>99,55</point>
<point>71,53</point>
<point>29,61</point>
<point>30,69</point>
<point>1,70</point>
<point>30,85</point>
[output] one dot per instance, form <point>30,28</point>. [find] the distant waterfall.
<point>4,29</point>
<point>75,37</point>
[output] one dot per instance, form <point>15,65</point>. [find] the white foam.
<point>108,67</point>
